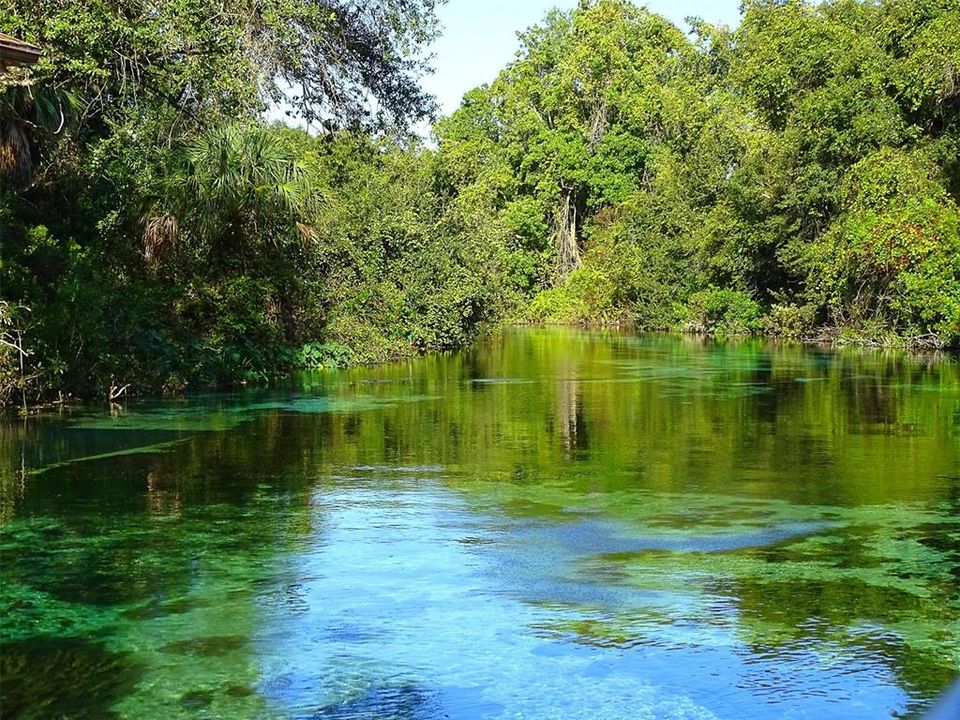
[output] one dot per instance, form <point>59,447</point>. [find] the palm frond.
<point>243,183</point>
<point>16,159</point>
<point>160,232</point>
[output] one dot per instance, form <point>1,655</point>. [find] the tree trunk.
<point>565,235</point>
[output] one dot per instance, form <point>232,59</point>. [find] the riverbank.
<point>159,242</point>
<point>343,358</point>
<point>825,337</point>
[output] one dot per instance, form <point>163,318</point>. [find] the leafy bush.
<point>789,320</point>
<point>586,296</point>
<point>720,310</point>
<point>556,305</point>
<point>315,356</point>
<point>893,257</point>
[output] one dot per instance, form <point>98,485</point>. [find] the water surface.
<point>554,524</point>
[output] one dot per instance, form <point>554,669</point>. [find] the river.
<point>552,524</point>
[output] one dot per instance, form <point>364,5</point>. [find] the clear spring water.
<point>554,524</point>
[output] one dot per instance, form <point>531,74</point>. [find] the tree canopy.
<point>685,181</point>
<point>342,62</point>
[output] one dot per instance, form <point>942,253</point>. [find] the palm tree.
<point>233,185</point>
<point>29,114</point>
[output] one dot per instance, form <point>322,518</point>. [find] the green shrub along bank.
<point>298,253</point>
<point>797,176</point>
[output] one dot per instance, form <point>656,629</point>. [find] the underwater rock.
<point>196,699</point>
<point>155,609</point>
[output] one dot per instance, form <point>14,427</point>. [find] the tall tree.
<point>579,111</point>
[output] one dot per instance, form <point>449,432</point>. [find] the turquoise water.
<point>554,524</point>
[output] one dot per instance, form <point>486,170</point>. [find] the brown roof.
<point>17,52</point>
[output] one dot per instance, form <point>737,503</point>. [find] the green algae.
<point>207,646</point>
<point>43,678</point>
<point>139,450</point>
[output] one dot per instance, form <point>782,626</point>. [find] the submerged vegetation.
<point>797,176</point>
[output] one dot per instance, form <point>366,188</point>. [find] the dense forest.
<point>798,176</point>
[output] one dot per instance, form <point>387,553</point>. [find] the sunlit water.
<point>555,524</point>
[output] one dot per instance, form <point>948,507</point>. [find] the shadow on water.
<point>589,537</point>
<point>579,562</point>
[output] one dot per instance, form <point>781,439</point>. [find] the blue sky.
<point>480,36</point>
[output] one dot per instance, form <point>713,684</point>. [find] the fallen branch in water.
<point>116,392</point>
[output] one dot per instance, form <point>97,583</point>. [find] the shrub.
<point>892,260</point>
<point>789,320</point>
<point>723,310</point>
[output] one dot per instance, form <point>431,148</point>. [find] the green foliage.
<point>893,257</point>
<point>585,296</point>
<point>626,277</point>
<point>725,311</point>
<point>409,268</point>
<point>166,237</point>
<point>802,168</point>
<point>315,356</point>
<point>195,57</point>
<point>798,176</point>
<point>789,321</point>
<point>563,129</point>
